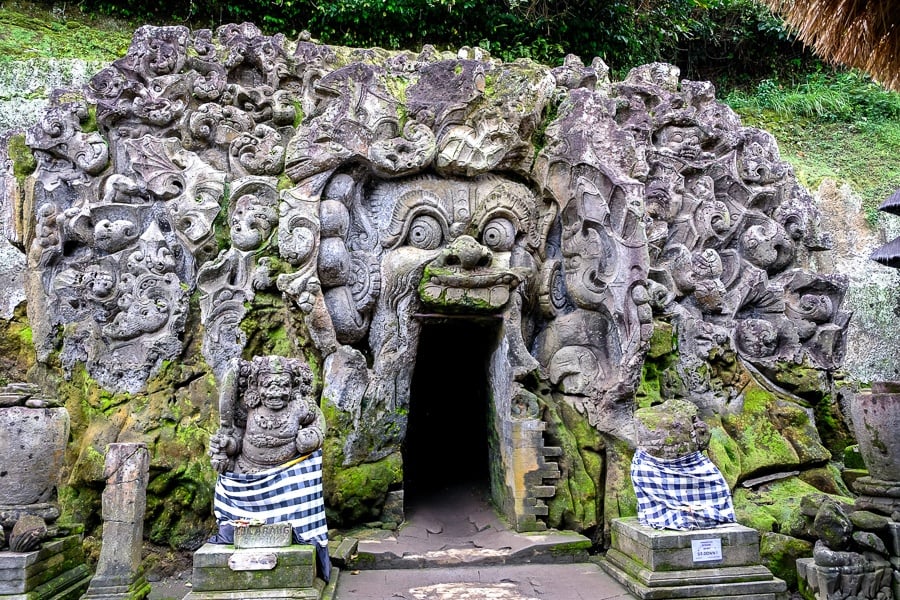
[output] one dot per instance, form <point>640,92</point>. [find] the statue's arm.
<point>311,437</point>
<point>225,444</point>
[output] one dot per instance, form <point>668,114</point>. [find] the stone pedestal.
<point>222,572</point>
<point>706,564</point>
<point>55,571</point>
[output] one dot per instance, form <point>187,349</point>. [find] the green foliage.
<point>39,31</point>
<point>845,97</point>
<point>722,38</point>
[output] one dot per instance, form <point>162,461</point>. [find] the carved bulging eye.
<point>499,235</point>
<point>425,233</point>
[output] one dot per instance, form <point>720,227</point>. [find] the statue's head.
<point>274,381</point>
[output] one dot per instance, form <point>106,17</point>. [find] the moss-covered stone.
<point>801,379</point>
<point>724,452</point>
<point>827,479</point>
<point>173,416</point>
<point>17,354</point>
<point>22,158</point>
<point>762,446</point>
<point>356,493</point>
<point>577,502</point>
<point>774,506</point>
<point>853,458</point>
<point>780,553</point>
<point>662,341</point>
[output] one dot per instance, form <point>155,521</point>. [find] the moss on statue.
<point>619,497</point>
<point>774,506</point>
<point>724,452</point>
<point>658,377</point>
<point>802,379</point>
<point>173,416</point>
<point>761,444</point>
<point>24,162</point>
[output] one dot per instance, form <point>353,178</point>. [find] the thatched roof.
<point>858,33</point>
<point>892,204</point>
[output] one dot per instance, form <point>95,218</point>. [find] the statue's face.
<point>472,239</point>
<point>275,390</point>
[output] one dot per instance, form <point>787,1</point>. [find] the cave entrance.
<point>449,429</point>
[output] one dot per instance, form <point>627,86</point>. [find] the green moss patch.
<point>355,494</point>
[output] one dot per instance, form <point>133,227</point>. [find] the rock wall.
<point>209,197</point>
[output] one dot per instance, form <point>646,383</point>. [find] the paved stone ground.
<point>577,581</point>
<point>454,547</point>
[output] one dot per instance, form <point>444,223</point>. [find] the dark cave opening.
<point>447,439</point>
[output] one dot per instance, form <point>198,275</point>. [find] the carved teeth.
<point>455,294</point>
<point>482,294</point>
<point>499,295</point>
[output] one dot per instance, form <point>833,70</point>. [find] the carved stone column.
<point>118,573</point>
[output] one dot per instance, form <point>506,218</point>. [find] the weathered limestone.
<point>722,562</point>
<point>119,575</point>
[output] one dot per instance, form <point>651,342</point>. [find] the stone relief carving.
<point>268,416</point>
<point>372,189</point>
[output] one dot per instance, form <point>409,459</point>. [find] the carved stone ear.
<point>701,434</point>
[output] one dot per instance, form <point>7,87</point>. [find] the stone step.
<point>385,550</point>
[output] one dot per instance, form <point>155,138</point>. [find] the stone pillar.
<point>118,573</point>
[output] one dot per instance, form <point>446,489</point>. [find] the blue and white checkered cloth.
<point>290,493</point>
<point>684,493</point>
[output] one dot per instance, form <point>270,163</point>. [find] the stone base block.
<point>55,572</point>
<point>750,582</point>
<point>223,573</point>
<point>706,564</point>
<point>667,550</point>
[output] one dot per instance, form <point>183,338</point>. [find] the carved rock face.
<point>374,190</point>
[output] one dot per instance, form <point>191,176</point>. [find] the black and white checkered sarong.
<point>291,494</point>
<point>682,493</point>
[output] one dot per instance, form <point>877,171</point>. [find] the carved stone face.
<point>275,390</point>
<point>468,240</point>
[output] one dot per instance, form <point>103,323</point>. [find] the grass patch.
<point>839,125</point>
<point>34,31</point>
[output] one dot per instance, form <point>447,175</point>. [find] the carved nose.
<point>467,253</point>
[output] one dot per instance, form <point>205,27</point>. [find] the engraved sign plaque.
<point>276,535</point>
<point>245,560</point>
<point>707,550</point>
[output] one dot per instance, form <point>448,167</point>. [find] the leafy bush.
<point>707,38</point>
<point>845,97</point>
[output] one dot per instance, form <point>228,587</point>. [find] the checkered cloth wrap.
<point>682,493</point>
<point>291,493</point>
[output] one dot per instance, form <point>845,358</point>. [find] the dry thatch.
<point>858,33</point>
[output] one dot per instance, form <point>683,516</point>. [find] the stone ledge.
<point>694,589</point>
